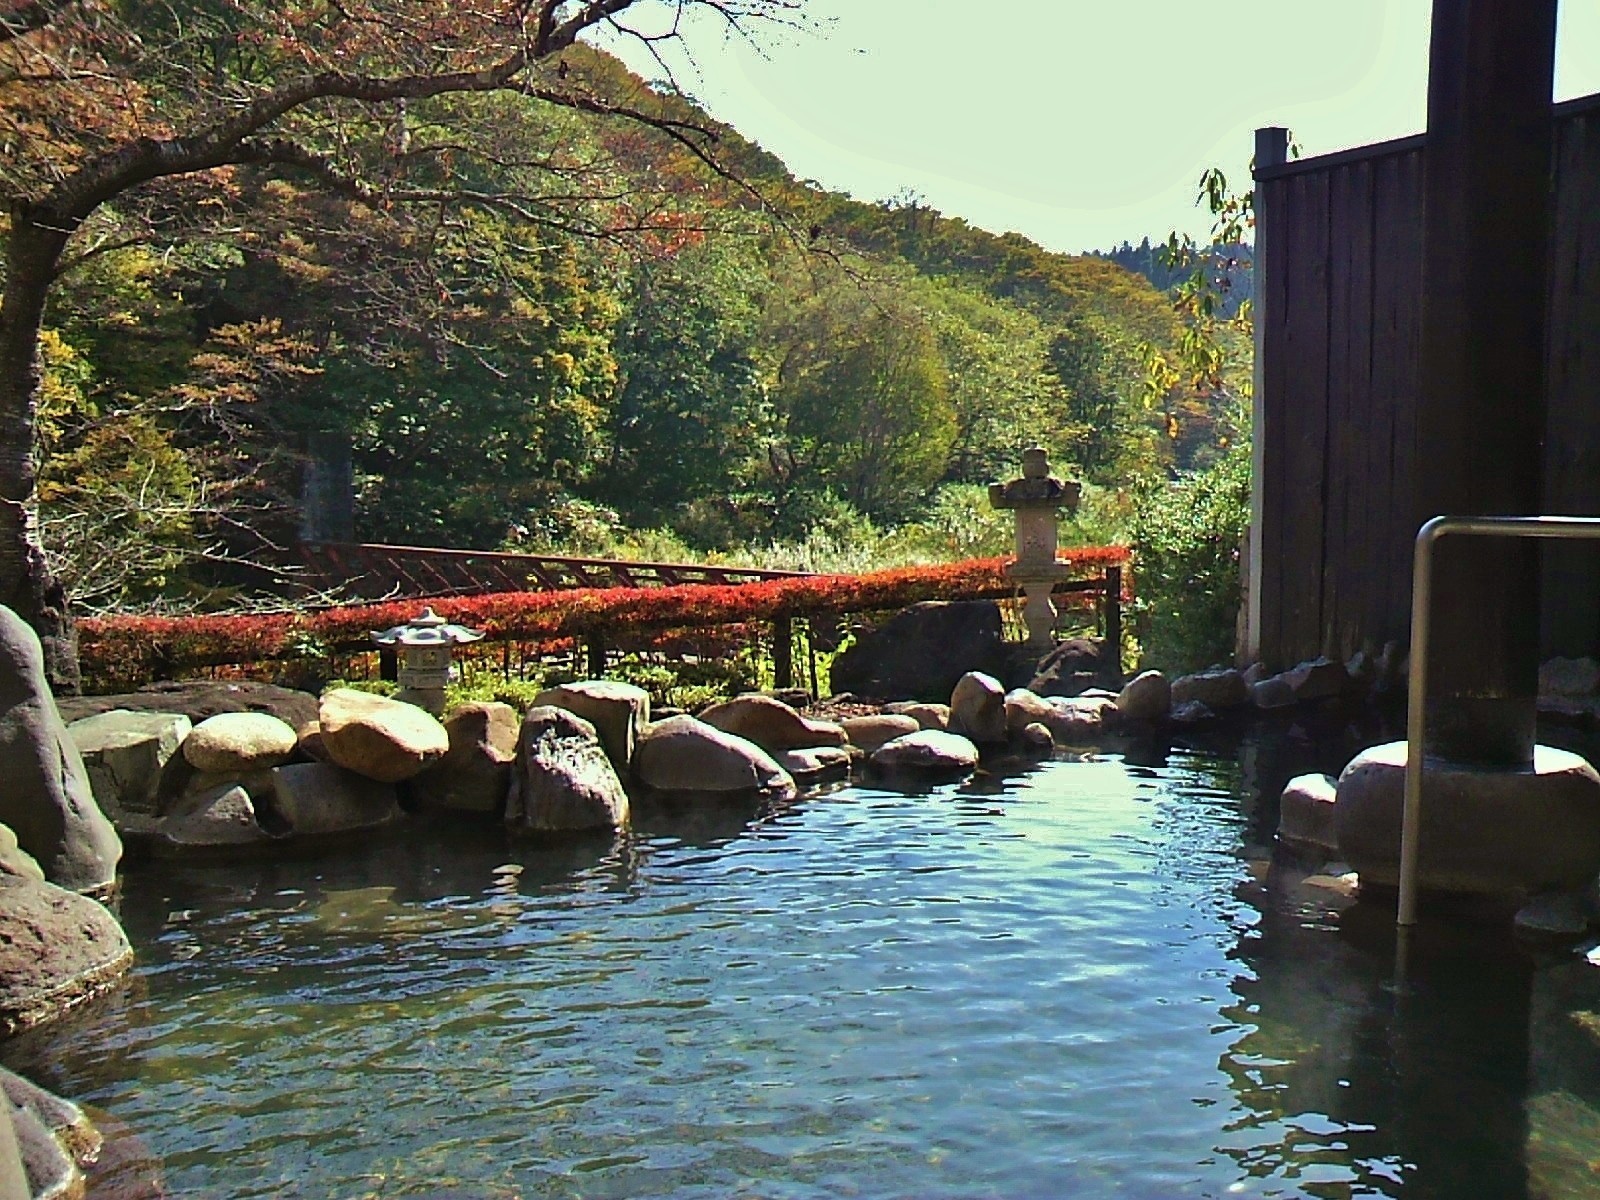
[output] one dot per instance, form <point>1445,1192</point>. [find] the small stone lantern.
<point>424,652</point>
<point>1037,499</point>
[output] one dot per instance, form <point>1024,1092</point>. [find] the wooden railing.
<point>366,571</point>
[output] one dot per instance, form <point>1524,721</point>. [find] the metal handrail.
<point>1569,528</point>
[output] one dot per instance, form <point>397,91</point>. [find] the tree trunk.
<point>26,584</point>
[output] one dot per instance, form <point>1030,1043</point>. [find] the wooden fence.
<point>1338,321</point>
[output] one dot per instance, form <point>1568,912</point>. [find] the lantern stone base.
<point>1489,832</point>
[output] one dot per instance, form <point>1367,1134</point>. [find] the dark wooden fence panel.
<point>1340,342</point>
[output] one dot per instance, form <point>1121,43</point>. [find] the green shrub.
<point>1186,537</point>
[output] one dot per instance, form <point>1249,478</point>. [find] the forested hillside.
<point>621,347</point>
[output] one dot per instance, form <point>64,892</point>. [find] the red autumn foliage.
<point>149,647</point>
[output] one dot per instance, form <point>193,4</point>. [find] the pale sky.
<point>1079,123</point>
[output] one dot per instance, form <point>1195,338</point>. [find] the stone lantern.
<point>1037,499</point>
<point>424,653</point>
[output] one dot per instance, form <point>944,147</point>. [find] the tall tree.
<point>129,120</point>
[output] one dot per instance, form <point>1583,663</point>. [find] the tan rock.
<point>240,742</point>
<point>1023,708</point>
<point>771,724</point>
<point>126,754</point>
<point>927,751</point>
<point>1145,697</point>
<point>978,708</point>
<point>682,754</point>
<point>381,739</point>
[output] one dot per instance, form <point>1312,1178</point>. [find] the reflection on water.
<point>1084,979</point>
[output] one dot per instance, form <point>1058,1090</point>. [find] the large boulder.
<point>199,699</point>
<point>771,724</point>
<point>1074,666</point>
<point>382,739</point>
<point>1080,720</point>
<point>318,800</point>
<point>475,773</point>
<point>1305,814</point>
<point>1218,689</point>
<point>926,752</point>
<point>1145,697</point>
<point>921,652</point>
<point>1487,832</point>
<point>619,712</point>
<point>978,709</point>
<point>239,743</point>
<point>58,949</point>
<point>563,780</point>
<point>1317,679</point>
<point>45,796</point>
<point>872,730</point>
<point>126,755</point>
<point>682,754</point>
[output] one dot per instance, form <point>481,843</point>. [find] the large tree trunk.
<point>27,587</point>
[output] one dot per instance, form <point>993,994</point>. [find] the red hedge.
<point>149,646</point>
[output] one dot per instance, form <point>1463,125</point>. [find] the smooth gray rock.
<point>811,765</point>
<point>58,949</point>
<point>475,773</point>
<point>1318,679</point>
<point>126,754</point>
<point>619,712</point>
<point>1218,690</point>
<point>1272,693</point>
<point>45,796</point>
<point>1305,814</point>
<point>869,732</point>
<point>771,724</point>
<point>562,780</point>
<point>1486,832</point>
<point>926,752</point>
<point>1145,697</point>
<point>978,709</point>
<point>682,754</point>
<point>239,743</point>
<point>379,738</point>
<point>309,800</point>
<point>220,820</point>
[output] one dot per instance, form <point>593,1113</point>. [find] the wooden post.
<point>783,651</point>
<point>1111,604</point>
<point>594,650</point>
<point>1480,416</point>
<point>1272,150</point>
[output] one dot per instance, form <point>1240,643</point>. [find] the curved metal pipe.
<point>1568,528</point>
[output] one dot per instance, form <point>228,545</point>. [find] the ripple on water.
<point>1039,986</point>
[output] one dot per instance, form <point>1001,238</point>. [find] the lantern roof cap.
<point>428,629</point>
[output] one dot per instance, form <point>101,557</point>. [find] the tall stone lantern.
<point>424,644</point>
<point>1037,499</point>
